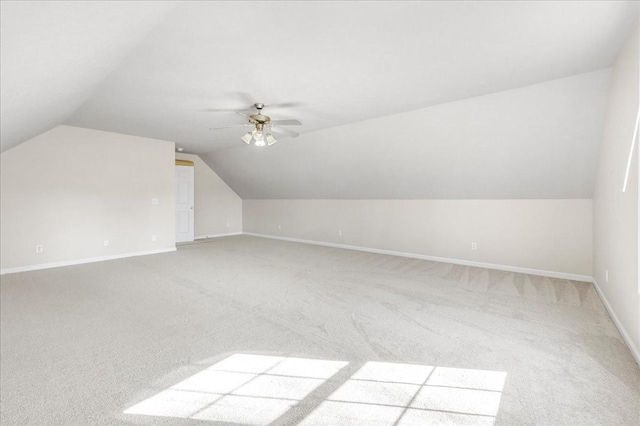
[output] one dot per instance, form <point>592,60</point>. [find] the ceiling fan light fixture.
<point>262,126</point>
<point>258,136</point>
<point>247,137</point>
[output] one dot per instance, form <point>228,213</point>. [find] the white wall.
<point>548,235</point>
<point>616,212</point>
<point>216,205</point>
<point>70,188</point>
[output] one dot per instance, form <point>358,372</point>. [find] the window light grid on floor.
<point>258,390</point>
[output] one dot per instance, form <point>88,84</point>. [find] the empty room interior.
<point>319,213</point>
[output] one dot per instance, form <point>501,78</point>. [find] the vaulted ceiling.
<point>397,99</point>
<point>54,55</point>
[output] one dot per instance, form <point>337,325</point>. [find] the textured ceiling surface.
<point>154,69</point>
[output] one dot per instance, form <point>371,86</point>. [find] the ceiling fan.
<point>263,127</point>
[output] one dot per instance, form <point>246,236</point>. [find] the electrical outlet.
<point>154,201</point>
<point>39,249</point>
<point>279,227</point>
<point>474,246</point>
<point>228,225</point>
<point>153,238</point>
<point>340,233</point>
<point>106,243</point>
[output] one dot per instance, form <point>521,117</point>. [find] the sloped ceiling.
<point>347,66</point>
<point>538,141</point>
<point>54,54</point>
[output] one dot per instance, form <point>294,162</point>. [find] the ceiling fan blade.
<point>284,132</point>
<point>244,113</point>
<point>228,127</point>
<point>286,122</point>
<point>217,110</point>
<point>284,105</point>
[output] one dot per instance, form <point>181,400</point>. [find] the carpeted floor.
<point>250,330</point>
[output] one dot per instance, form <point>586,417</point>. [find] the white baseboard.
<point>81,261</point>
<point>552,274</point>
<point>616,321</point>
<point>201,237</point>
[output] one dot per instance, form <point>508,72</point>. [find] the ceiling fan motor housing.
<point>258,118</point>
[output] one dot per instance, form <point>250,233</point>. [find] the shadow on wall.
<point>263,390</point>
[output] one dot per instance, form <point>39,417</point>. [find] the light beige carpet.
<point>257,331</point>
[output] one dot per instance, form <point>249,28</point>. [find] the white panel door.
<point>184,203</point>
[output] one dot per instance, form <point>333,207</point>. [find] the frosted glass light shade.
<point>247,138</point>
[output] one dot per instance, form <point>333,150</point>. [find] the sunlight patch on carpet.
<point>257,390</point>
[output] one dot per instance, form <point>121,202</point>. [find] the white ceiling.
<point>537,141</point>
<point>54,54</point>
<point>152,69</point>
